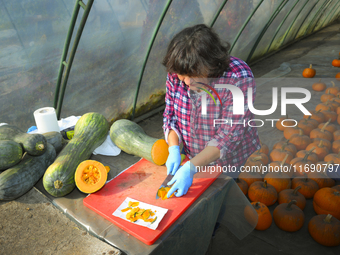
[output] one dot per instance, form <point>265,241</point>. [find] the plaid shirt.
<point>235,138</point>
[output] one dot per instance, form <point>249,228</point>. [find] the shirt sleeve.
<point>169,117</point>
<point>231,132</point>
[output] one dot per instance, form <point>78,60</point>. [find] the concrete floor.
<point>318,49</point>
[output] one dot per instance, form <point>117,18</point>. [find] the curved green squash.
<point>33,144</point>
<point>90,131</point>
<point>19,179</point>
<point>10,154</point>
<point>132,139</point>
<point>56,139</point>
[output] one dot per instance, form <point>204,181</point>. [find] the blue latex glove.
<point>174,160</point>
<point>333,172</point>
<point>182,180</point>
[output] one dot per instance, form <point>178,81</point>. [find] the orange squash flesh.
<point>90,176</point>
<point>159,152</point>
<point>137,213</point>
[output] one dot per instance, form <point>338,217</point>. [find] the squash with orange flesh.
<point>132,139</point>
<point>90,176</point>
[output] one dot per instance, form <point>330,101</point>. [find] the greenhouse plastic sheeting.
<point>222,202</point>
<point>113,49</point>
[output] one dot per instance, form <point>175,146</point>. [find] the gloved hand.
<point>174,160</point>
<point>182,180</point>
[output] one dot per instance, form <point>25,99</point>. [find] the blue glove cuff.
<point>192,168</point>
<point>174,148</point>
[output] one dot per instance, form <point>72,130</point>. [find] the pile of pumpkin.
<point>298,172</point>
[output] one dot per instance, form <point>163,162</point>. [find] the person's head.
<point>197,51</point>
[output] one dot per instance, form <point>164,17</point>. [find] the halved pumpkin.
<point>90,176</point>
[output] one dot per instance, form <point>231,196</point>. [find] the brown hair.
<point>197,51</point>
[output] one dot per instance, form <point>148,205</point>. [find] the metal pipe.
<point>65,50</point>
<point>281,24</point>
<point>72,54</point>
<point>292,23</point>
<point>315,15</point>
<point>159,23</point>
<point>218,13</point>
<point>275,13</point>
<point>310,11</point>
<point>321,14</point>
<point>329,14</point>
<point>244,25</point>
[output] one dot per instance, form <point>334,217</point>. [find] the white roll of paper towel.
<point>46,120</point>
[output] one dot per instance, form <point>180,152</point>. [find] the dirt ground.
<point>32,225</point>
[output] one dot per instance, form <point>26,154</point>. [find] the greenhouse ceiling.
<point>105,55</point>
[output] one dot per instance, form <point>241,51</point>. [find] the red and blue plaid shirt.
<point>235,138</point>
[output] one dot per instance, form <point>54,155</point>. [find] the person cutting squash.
<point>196,60</point>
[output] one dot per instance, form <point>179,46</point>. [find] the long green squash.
<point>132,139</point>
<point>90,131</point>
<point>19,179</point>
<point>33,144</point>
<point>10,154</point>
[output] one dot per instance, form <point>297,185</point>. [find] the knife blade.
<point>164,184</point>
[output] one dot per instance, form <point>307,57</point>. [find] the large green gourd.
<point>33,144</point>
<point>10,154</point>
<point>19,179</point>
<point>90,131</point>
<point>132,139</point>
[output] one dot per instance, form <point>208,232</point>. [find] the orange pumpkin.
<point>325,142</point>
<point>309,120</point>
<point>265,218</point>
<point>321,178</point>
<point>90,176</point>
<point>325,106</point>
<point>264,148</point>
<point>330,115</point>
<point>333,89</point>
<point>300,165</point>
<point>326,96</point>
<point>329,127</point>
<point>319,86</point>
<point>264,157</point>
<point>320,150</point>
<point>333,157</point>
<point>306,126</point>
<point>311,155</point>
<point>287,195</point>
<point>316,115</point>
<point>308,187</point>
<point>284,122</point>
<point>242,185</point>
<point>261,191</point>
<point>321,133</point>
<point>336,62</point>
<point>250,177</point>
<point>336,135</point>
<point>309,72</point>
<point>336,146</point>
<point>279,180</point>
<point>254,163</point>
<point>337,76</point>
<point>288,216</point>
<point>286,145</point>
<point>280,154</point>
<point>325,229</point>
<point>281,167</point>
<point>300,140</point>
<point>289,131</point>
<point>327,201</point>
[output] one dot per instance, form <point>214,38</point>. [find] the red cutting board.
<point>141,182</point>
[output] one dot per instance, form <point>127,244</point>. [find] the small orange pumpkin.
<point>264,157</point>
<point>309,121</point>
<point>327,96</point>
<point>327,201</point>
<point>300,165</point>
<point>263,192</point>
<point>288,216</point>
<point>336,147</point>
<point>285,145</point>
<point>325,142</point>
<point>319,86</point>
<point>321,178</point>
<point>336,135</point>
<point>309,72</point>
<point>285,122</point>
<point>308,187</point>
<point>336,62</point>
<point>321,133</point>
<point>316,115</point>
<point>250,177</point>
<point>265,218</point>
<point>281,167</point>
<point>280,154</point>
<point>325,229</point>
<point>287,195</point>
<point>279,180</point>
<point>319,149</point>
<point>264,148</point>
<point>300,140</point>
<point>333,89</point>
<point>333,157</point>
<point>337,76</point>
<point>289,131</point>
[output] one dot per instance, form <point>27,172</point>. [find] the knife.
<point>168,178</point>
<point>164,184</point>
